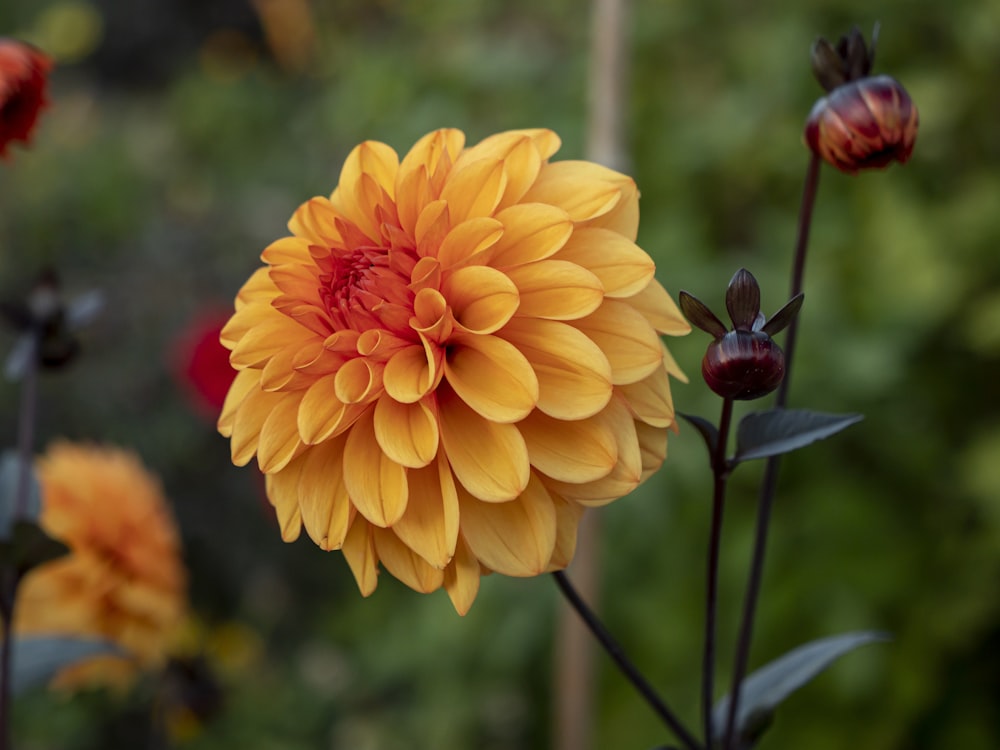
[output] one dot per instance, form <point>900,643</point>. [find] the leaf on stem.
<point>764,690</point>
<point>36,659</point>
<point>770,433</point>
<point>11,468</point>
<point>706,429</point>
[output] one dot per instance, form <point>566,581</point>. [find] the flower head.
<point>865,122</point>
<point>743,363</point>
<point>123,579</point>
<point>451,358</point>
<point>23,77</point>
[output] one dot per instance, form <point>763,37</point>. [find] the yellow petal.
<point>315,221</point>
<point>372,158</point>
<point>623,267</point>
<point>430,524</point>
<point>652,446</point>
<point>287,250</point>
<point>282,492</point>
<point>469,239</point>
<point>406,433</point>
<point>432,227</point>
<point>245,382</point>
<point>626,338</point>
<point>574,376</point>
<point>624,217</point>
<point>359,550</point>
<point>265,339</point>
<point>253,411</point>
<point>461,578</point>
<point>489,459</point>
<point>556,289</point>
<point>482,299</point>
<point>532,231</point>
<point>279,435</point>
<point>322,494</point>
<point>440,147</point>
<point>356,381</point>
<point>650,399</point>
<point>377,484</point>
<point>412,373</point>
<point>515,538</point>
<point>660,310</point>
<point>474,190</point>
<point>568,517</point>
<point>413,193</point>
<point>405,564</point>
<point>580,188</point>
<point>321,413</point>
<point>492,377</point>
<point>575,452</point>
<point>280,374</point>
<point>521,165</point>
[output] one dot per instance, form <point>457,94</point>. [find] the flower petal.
<point>405,564</point>
<point>412,372</point>
<point>652,447</point>
<point>580,188</point>
<point>282,492</point>
<point>430,524</point>
<point>650,399</point>
<point>461,577</point>
<point>574,376</point>
<point>377,484</point>
<point>489,459</point>
<point>250,417</point>
<point>576,452</point>
<point>321,414</point>
<point>556,290</point>
<point>474,190</point>
<point>624,217</point>
<point>482,299</point>
<point>568,517</point>
<point>657,306</point>
<point>469,239</point>
<point>359,551</point>
<point>245,383</point>
<point>515,538</point>
<point>623,267</point>
<point>322,494</point>
<point>279,435</point>
<point>626,338</point>
<point>532,231</point>
<point>406,433</point>
<point>492,377</point>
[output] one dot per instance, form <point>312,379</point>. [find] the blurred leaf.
<point>770,433</point>
<point>29,546</point>
<point>10,475</point>
<point>764,690</point>
<point>706,429</point>
<point>36,659</point>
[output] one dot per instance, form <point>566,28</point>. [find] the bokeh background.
<point>183,135</point>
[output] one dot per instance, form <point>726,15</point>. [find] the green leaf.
<point>706,429</point>
<point>770,433</point>
<point>29,546</point>
<point>36,659</point>
<point>10,477</point>
<point>764,690</point>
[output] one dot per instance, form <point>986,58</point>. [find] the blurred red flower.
<point>23,77</point>
<point>201,363</point>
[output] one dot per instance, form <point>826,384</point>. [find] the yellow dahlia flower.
<point>452,357</point>
<point>123,580</point>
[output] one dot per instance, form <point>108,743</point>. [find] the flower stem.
<point>721,473</point>
<point>769,482</point>
<point>623,663</point>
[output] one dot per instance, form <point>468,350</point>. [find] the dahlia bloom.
<point>123,580</point>
<point>23,76</point>
<point>451,358</point>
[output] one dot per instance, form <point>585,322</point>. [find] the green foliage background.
<point>164,168</point>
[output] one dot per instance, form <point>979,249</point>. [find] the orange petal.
<point>532,231</point>
<point>429,152</point>
<point>580,188</point>
<point>279,435</point>
<point>575,452</point>
<point>430,524</point>
<point>315,220</point>
<point>405,564</point>
<point>475,189</point>
<point>266,339</point>
<point>626,338</point>
<point>568,516</point>
<point>660,310</point>
<point>556,289</point>
<point>461,578</point>
<point>287,250</point>
<point>372,158</point>
<point>624,217</point>
<point>282,492</point>
<point>253,411</point>
<point>623,267</point>
<point>489,459</point>
<point>653,448</point>
<point>650,399</point>
<point>482,299</point>
<point>468,239</point>
<point>359,550</point>
<point>377,484</point>
<point>574,376</point>
<point>406,433</point>
<point>411,373</point>
<point>492,377</point>
<point>323,500</point>
<point>515,538</point>
<point>245,382</point>
<point>356,381</point>
<point>321,413</point>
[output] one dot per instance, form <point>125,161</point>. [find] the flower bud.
<point>863,124</point>
<point>743,365</point>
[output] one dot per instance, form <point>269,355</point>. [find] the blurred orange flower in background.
<point>123,580</point>
<point>451,358</point>
<point>23,78</point>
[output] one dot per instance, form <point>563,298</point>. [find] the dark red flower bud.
<point>23,76</point>
<point>743,365</point>
<point>865,124</point>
